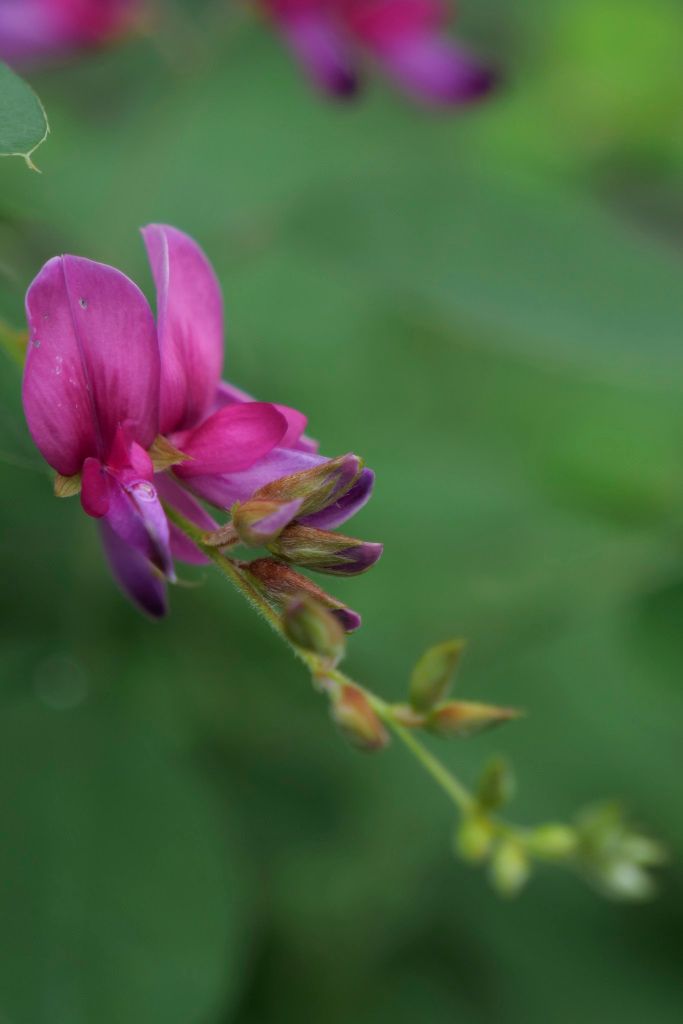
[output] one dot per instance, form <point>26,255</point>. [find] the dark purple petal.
<point>136,576</point>
<point>92,362</point>
<point>172,493</point>
<point>350,503</point>
<point>190,320</point>
<point>349,619</point>
<point>231,440</point>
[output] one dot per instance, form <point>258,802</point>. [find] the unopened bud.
<point>358,721</point>
<point>496,786</point>
<point>259,520</point>
<point>552,842</point>
<point>309,625</point>
<point>474,838</point>
<point>464,718</point>
<point>432,675</point>
<point>317,487</point>
<point>323,551</point>
<point>279,583</point>
<point>510,868</point>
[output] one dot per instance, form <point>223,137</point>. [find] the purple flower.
<point>134,413</point>
<point>403,37</point>
<point>38,29</point>
<point>93,393</point>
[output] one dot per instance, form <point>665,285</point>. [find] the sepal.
<point>433,673</point>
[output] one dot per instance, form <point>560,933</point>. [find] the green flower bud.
<point>474,838</point>
<point>457,719</point>
<point>260,520</point>
<point>315,488</point>
<point>324,551</point>
<point>309,625</point>
<point>552,842</point>
<point>510,868</point>
<point>355,717</point>
<point>496,786</point>
<point>431,678</point>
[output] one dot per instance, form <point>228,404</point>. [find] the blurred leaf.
<point>120,897</point>
<point>23,123</point>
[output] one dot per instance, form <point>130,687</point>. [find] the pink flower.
<point>37,29</point>
<point>102,382</point>
<point>403,37</point>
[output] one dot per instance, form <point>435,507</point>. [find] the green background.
<point>488,307</point>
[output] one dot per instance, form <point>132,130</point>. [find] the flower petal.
<point>223,490</point>
<point>95,486</point>
<point>190,321</point>
<point>228,394</point>
<point>134,573</point>
<point>173,494</point>
<point>321,48</point>
<point>436,70</point>
<point>92,363</point>
<point>137,516</point>
<point>231,440</point>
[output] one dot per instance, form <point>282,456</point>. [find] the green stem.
<point>318,666</point>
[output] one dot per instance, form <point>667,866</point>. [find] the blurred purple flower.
<point>403,37</point>
<point>38,29</point>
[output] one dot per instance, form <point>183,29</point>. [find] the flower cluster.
<point>403,37</point>
<point>35,29</point>
<point>133,414</point>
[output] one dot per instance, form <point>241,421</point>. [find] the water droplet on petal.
<point>144,491</point>
<point>83,303</point>
<point>36,342</point>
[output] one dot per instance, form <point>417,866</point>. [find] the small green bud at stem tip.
<point>431,678</point>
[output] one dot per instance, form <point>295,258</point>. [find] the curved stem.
<point>318,666</point>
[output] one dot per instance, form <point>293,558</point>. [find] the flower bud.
<point>309,625</point>
<point>432,675</point>
<point>496,786</point>
<point>323,551</point>
<point>464,718</point>
<point>357,720</point>
<point>474,838</point>
<point>552,842</point>
<point>510,868</point>
<point>278,583</point>
<point>317,487</point>
<point>259,520</point>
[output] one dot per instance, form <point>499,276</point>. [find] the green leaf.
<point>23,122</point>
<point>121,897</point>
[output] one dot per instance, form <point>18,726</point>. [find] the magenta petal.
<point>135,574</point>
<point>95,486</point>
<point>231,440</point>
<point>321,48</point>
<point>92,363</point>
<point>350,503</point>
<point>137,516</point>
<point>228,394</point>
<point>173,494</point>
<point>435,70</point>
<point>190,320</point>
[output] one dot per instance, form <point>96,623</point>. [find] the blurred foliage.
<point>488,307</point>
